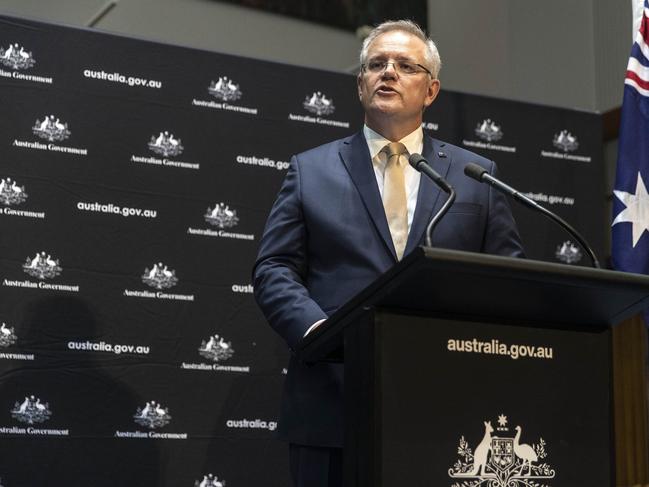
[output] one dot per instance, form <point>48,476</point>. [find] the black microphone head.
<point>415,159</point>
<point>474,171</point>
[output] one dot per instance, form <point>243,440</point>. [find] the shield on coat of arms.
<point>502,452</point>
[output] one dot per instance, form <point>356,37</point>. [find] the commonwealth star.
<point>636,211</point>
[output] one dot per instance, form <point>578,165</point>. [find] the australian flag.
<point>630,231</point>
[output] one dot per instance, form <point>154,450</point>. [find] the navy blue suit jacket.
<point>327,238</point>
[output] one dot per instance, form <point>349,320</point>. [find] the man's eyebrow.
<point>399,57</point>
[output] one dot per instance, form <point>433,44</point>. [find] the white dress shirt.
<point>414,142</point>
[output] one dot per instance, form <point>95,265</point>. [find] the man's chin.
<point>385,109</point>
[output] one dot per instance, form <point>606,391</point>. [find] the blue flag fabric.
<point>630,229</point>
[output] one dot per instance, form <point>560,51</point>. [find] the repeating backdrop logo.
<point>221,216</point>
<point>224,89</point>
<point>488,130</point>
<point>152,415</point>
<point>51,128</point>
<point>216,349</point>
<point>501,460</point>
<point>565,141</point>
<point>319,104</point>
<point>15,57</point>
<point>568,253</point>
<point>209,480</point>
<point>7,336</point>
<point>31,411</point>
<point>42,266</point>
<point>11,193</point>
<point>166,145</point>
<point>567,144</point>
<point>160,276</point>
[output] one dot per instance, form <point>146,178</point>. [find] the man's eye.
<point>406,67</point>
<point>375,65</point>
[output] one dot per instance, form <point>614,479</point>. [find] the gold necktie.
<point>394,195</point>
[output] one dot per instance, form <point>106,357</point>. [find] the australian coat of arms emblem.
<point>568,252</point>
<point>166,144</point>
<point>31,411</point>
<point>501,460</point>
<point>565,141</point>
<point>216,349</point>
<point>488,130</point>
<point>11,193</point>
<point>319,104</point>
<point>7,336</point>
<point>152,415</point>
<point>42,266</point>
<point>225,89</point>
<point>15,57</point>
<point>209,481</point>
<point>221,216</point>
<point>51,128</point>
<point>160,276</point>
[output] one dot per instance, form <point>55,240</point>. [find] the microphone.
<point>480,174</point>
<point>420,164</point>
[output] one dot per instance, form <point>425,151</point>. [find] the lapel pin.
<point>441,154</point>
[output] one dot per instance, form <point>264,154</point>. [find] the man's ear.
<point>433,91</point>
<point>359,81</point>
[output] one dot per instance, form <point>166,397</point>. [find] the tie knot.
<point>394,149</point>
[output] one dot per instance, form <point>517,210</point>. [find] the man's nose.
<point>390,71</point>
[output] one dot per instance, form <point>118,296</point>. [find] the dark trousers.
<point>313,466</point>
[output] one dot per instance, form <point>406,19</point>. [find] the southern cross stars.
<point>636,211</point>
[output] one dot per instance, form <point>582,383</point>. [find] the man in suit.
<point>351,209</point>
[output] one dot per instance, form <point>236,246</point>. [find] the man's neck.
<point>392,132</point>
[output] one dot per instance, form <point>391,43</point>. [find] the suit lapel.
<point>428,197</point>
<point>356,157</point>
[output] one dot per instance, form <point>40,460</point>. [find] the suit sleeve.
<point>281,268</point>
<point>501,232</point>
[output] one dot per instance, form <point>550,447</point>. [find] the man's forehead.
<point>396,40</point>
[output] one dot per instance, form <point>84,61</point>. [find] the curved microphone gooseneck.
<point>420,164</point>
<point>481,175</point>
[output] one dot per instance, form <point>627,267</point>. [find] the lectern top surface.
<point>471,286</point>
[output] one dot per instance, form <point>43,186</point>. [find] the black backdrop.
<point>135,179</point>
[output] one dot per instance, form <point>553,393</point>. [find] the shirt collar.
<point>414,141</point>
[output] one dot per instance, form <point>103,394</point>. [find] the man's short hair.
<point>433,61</point>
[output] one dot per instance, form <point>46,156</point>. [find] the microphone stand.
<point>481,175</point>
<point>420,164</point>
<point>438,216</point>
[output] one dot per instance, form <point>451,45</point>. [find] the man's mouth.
<point>386,90</point>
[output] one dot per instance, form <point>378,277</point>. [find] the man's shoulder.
<point>331,147</point>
